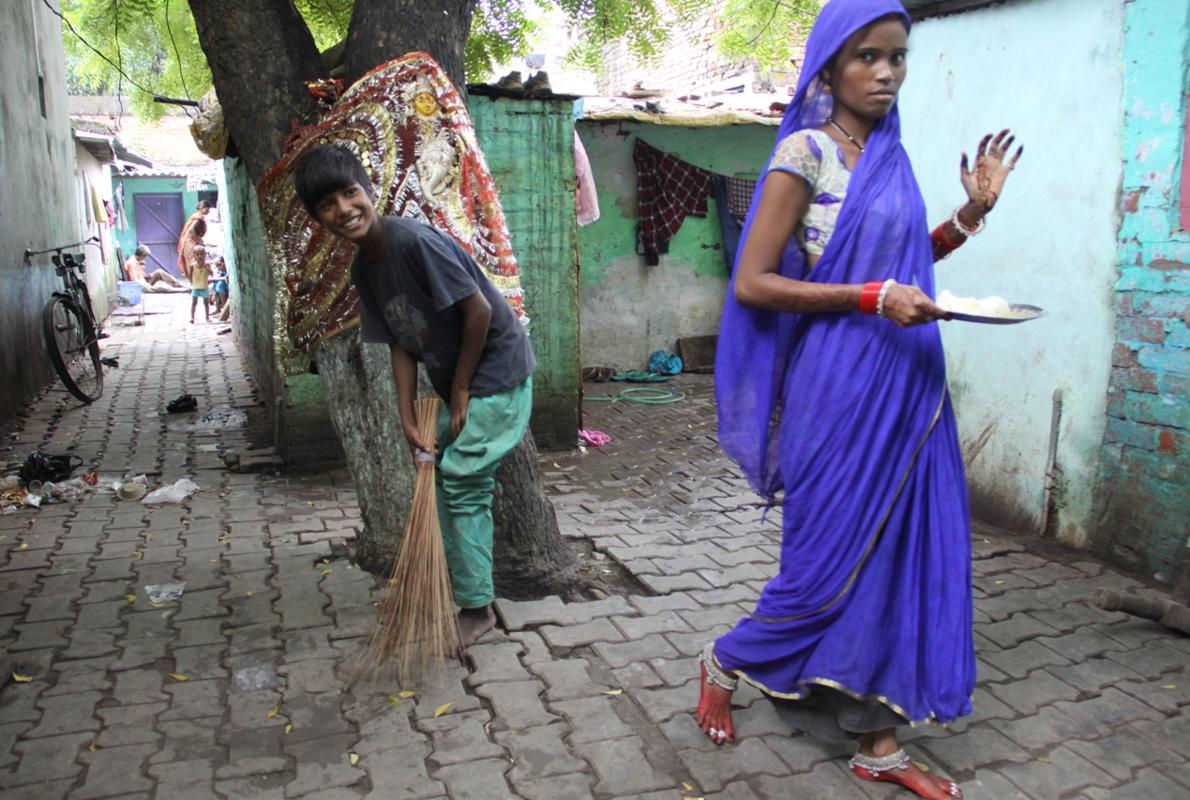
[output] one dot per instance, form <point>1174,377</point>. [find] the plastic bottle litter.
<point>177,493</point>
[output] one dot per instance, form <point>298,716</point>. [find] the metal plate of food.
<point>987,310</point>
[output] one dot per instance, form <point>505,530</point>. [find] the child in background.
<point>199,285</point>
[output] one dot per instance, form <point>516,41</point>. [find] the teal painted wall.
<point>1144,488</point>
<point>134,185</point>
<point>629,309</point>
<point>1050,70</point>
<point>529,148</point>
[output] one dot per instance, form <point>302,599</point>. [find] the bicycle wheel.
<point>74,351</point>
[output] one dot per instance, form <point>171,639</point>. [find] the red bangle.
<point>869,297</point>
<point>943,247</point>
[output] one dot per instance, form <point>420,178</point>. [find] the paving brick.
<point>712,770</point>
<point>1015,630</point>
<point>461,738</point>
<point>322,764</point>
<point>1061,773</point>
<point>517,704</point>
<point>44,760</point>
<point>599,630</point>
<point>595,609</point>
<point>114,771</point>
<point>129,724</point>
<point>644,649</point>
<point>621,766</point>
<point>593,719</point>
<point>1019,661</point>
<point>539,752</point>
<point>1098,716</point>
<point>1152,661</point>
<point>670,602</point>
<point>480,780</point>
<point>496,663</point>
<point>979,747</point>
<point>71,713</point>
<point>567,679</point>
<point>661,622</point>
<point>1039,688</point>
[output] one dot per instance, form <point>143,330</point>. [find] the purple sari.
<point>850,417</point>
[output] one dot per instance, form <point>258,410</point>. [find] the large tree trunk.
<point>381,30</point>
<point>261,54</point>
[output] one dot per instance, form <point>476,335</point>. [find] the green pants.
<point>466,477</point>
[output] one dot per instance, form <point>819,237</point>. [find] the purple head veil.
<point>830,369</point>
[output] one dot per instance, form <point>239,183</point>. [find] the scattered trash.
<point>109,361</point>
<point>177,493</point>
<point>593,438</point>
<point>225,330</point>
<point>182,404</point>
<point>221,419</point>
<point>164,592</point>
<point>131,490</point>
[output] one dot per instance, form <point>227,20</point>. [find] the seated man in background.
<point>156,281</point>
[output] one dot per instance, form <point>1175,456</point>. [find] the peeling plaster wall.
<point>37,206</point>
<point>101,273</point>
<point>1049,69</point>
<point>1144,489</point>
<point>629,309</point>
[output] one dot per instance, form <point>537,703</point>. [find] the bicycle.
<point>69,327</point>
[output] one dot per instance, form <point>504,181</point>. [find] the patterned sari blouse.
<point>816,158</point>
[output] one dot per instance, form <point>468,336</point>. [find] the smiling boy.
<point>426,298</point>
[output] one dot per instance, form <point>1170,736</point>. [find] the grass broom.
<point>417,629</point>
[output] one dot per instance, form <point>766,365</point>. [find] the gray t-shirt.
<point>408,298</point>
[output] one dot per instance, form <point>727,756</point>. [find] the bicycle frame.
<point>68,266</point>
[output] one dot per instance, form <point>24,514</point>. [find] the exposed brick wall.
<point>1143,492</point>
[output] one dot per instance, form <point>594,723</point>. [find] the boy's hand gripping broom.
<point>417,629</point>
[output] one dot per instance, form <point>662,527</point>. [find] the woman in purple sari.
<point>831,385</point>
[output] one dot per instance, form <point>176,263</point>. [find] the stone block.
<point>593,719</point>
<point>517,704</point>
<point>599,630</point>
<point>649,647</point>
<point>115,771</point>
<point>479,780</point>
<point>661,622</point>
<point>45,760</point>
<point>496,663</point>
<point>71,713</point>
<point>712,770</point>
<point>974,749</point>
<point>461,738</point>
<point>1037,689</point>
<point>621,766</point>
<point>540,752</point>
<point>1061,774</point>
<point>129,724</point>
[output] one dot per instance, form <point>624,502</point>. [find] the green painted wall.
<point>529,147</point>
<point>629,309</point>
<point>149,184</point>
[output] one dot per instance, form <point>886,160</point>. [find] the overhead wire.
<point>95,50</point>
<point>178,58</point>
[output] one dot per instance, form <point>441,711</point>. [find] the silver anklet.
<point>714,674</point>
<point>877,765</point>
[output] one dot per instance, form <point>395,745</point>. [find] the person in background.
<point>199,216</point>
<point>156,281</point>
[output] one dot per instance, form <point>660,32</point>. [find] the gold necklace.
<point>850,138</point>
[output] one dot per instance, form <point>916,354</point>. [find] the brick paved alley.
<point>238,690</point>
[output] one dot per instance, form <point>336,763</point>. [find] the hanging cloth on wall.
<point>729,223</point>
<point>121,218</point>
<point>667,190</point>
<point>739,196</point>
<point>586,198</point>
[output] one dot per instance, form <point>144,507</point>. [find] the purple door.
<point>159,221</point>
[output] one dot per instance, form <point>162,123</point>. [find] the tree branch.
<point>261,55</point>
<point>382,30</point>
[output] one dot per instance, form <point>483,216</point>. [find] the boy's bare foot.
<point>474,623</point>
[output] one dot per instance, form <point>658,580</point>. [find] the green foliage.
<point>766,31</point>
<point>136,34</point>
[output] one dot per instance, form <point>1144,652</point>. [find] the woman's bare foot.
<point>474,623</point>
<point>880,758</point>
<point>714,700</point>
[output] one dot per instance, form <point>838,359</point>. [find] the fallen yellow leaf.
<point>288,727</point>
<point>614,692</point>
<point>24,546</point>
<point>999,583</point>
<point>179,677</point>
<point>405,695</point>
<point>1044,760</point>
<point>326,571</point>
<point>442,709</point>
<point>923,767</point>
<point>393,701</point>
<point>131,598</point>
<point>137,554</point>
<point>249,593</point>
<point>354,758</point>
<point>16,676</point>
<point>92,746</point>
<point>272,712</point>
<point>1170,686</point>
<point>687,787</point>
<point>157,605</point>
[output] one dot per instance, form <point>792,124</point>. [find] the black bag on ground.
<point>46,467</point>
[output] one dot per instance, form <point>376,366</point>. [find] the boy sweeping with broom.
<point>423,296</point>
